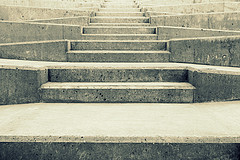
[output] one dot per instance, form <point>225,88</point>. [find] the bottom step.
<point>123,92</point>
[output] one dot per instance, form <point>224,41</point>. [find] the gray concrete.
<point>129,123</point>
<point>220,51</point>
<point>117,56</point>
<point>22,13</point>
<point>31,31</point>
<point>168,32</point>
<point>37,50</point>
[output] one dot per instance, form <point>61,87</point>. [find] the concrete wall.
<point>21,85</point>
<point>168,32</point>
<point>188,9</point>
<point>215,86</point>
<point>20,13</point>
<point>82,21</point>
<point>23,32</point>
<point>50,3</point>
<point>219,51</point>
<point>222,21</point>
<point>36,51</point>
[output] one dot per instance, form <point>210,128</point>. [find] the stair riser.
<point>103,37</point>
<point>118,57</point>
<point>117,75</point>
<point>118,95</point>
<point>118,45</point>
<point>120,10</point>
<point>119,24</point>
<point>120,14</point>
<point>119,5</point>
<point>119,20</point>
<point>119,30</point>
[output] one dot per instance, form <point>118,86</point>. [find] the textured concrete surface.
<point>117,56</point>
<point>81,20</point>
<point>135,123</point>
<point>37,50</point>
<point>31,31</point>
<point>117,92</point>
<point>23,13</point>
<point>119,45</point>
<point>168,32</point>
<point>222,20</point>
<point>220,51</point>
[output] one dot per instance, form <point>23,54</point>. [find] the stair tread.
<point>119,24</point>
<point>117,85</point>
<point>115,51</point>
<point>115,17</point>
<point>138,35</point>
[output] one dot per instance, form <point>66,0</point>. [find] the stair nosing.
<point>119,85</point>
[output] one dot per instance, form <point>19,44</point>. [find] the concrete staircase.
<point>118,33</point>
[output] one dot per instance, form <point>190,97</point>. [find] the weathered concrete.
<point>23,31</point>
<point>221,51</point>
<point>118,37</point>
<point>38,51</point>
<point>169,32</point>
<point>117,92</point>
<point>119,151</point>
<point>120,14</point>
<point>188,8</point>
<point>21,13</point>
<point>82,21</point>
<point>225,21</point>
<point>52,4</point>
<point>118,45</point>
<point>118,56</point>
<point>231,75</point>
<point>119,30</point>
<point>21,85</point>
<point>121,131</point>
<point>119,20</point>
<point>120,74</point>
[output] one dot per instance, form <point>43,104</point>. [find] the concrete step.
<point>118,37</point>
<point>153,92</point>
<point>119,24</point>
<point>118,56</point>
<point>120,10</point>
<point>119,5</point>
<point>118,45</point>
<point>120,14</point>
<point>117,72</point>
<point>119,20</point>
<point>118,30</point>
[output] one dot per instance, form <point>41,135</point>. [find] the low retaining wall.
<point>12,32</point>
<point>219,51</point>
<point>50,3</point>
<point>168,32</point>
<point>36,51</point>
<point>215,85</point>
<point>20,13</point>
<point>188,8</point>
<point>224,21</point>
<point>82,21</point>
<point>21,84</point>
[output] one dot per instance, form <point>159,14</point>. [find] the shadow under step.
<point>120,10</point>
<point>119,30</point>
<point>119,24</point>
<point>117,56</point>
<point>118,92</point>
<point>120,14</point>
<point>118,37</point>
<point>119,20</point>
<point>146,45</point>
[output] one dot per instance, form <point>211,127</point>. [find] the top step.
<point>119,5</point>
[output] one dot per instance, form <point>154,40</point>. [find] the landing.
<point>206,122</point>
